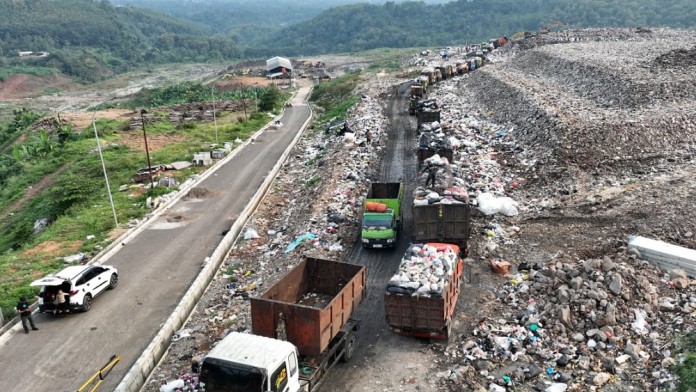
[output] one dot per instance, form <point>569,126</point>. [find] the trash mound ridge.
<point>677,58</point>
<point>594,104</point>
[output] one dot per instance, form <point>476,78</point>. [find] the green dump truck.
<point>382,215</point>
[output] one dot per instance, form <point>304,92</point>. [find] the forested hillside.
<point>368,26</point>
<point>89,40</point>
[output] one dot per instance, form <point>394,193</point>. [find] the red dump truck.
<point>445,229</point>
<point>425,311</point>
<point>301,328</point>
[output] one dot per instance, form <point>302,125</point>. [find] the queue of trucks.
<point>302,325</point>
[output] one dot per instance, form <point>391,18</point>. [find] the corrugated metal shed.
<point>253,350</point>
<point>277,63</point>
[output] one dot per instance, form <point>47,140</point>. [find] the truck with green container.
<point>382,218</point>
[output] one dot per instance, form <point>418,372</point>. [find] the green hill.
<point>416,24</point>
<point>91,40</point>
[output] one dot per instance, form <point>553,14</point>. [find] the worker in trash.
<point>432,171</point>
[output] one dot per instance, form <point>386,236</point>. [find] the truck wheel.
<point>350,346</point>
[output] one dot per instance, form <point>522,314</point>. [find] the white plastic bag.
<point>172,386</point>
<point>557,387</point>
<point>508,206</point>
<point>502,342</point>
<point>640,325</point>
<point>488,204</point>
<point>251,234</point>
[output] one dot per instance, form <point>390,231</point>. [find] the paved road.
<point>155,268</point>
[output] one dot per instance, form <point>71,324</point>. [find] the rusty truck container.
<point>314,300</point>
<point>449,223</point>
<point>423,316</point>
<point>417,91</point>
<point>428,116</point>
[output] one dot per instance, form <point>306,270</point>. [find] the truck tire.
<point>350,347</point>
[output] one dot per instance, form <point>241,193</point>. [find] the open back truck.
<point>301,327</point>
<point>444,227</point>
<point>382,215</point>
<point>425,313</point>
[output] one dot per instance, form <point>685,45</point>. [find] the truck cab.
<point>250,363</point>
<point>379,230</point>
<point>382,216</point>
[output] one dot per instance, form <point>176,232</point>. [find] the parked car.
<point>80,283</point>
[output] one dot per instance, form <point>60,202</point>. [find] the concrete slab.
<point>664,255</point>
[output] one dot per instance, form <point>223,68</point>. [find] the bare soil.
<point>23,86</point>
<point>81,120</point>
<point>53,248</point>
<point>155,142</point>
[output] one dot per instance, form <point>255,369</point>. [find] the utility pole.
<point>212,94</point>
<point>147,151</point>
<point>256,102</point>
<point>101,157</point>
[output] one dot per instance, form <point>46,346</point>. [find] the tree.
<point>269,97</point>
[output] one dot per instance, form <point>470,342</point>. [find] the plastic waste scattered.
<point>251,234</point>
<point>172,386</point>
<point>298,241</point>
<point>640,325</point>
<point>557,387</point>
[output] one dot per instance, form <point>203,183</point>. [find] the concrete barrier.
<point>143,366</point>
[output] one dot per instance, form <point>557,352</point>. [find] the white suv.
<point>80,283</point>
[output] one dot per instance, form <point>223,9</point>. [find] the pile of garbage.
<point>573,323</point>
<point>425,271</point>
<point>593,100</point>
<point>580,323</point>
<point>463,148</point>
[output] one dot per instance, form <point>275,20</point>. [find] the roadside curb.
<point>138,374</point>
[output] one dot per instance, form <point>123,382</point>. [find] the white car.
<point>80,283</point>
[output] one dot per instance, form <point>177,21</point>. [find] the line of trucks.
<point>430,75</point>
<point>302,325</point>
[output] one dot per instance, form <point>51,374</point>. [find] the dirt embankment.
<point>27,86</point>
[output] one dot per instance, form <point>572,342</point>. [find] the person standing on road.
<point>60,302</point>
<point>432,171</point>
<point>25,313</point>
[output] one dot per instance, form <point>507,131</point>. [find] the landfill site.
<point>570,156</point>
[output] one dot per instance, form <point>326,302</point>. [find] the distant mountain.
<point>246,19</point>
<point>89,39</point>
<point>416,24</point>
